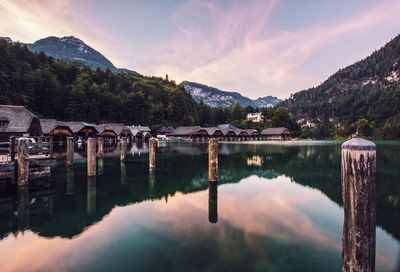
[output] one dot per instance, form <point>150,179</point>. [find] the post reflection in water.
<point>213,202</point>
<point>91,194</point>
<point>100,166</point>
<point>123,172</point>
<point>23,208</point>
<point>70,181</point>
<point>152,183</point>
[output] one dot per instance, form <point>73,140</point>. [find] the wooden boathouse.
<point>82,130</point>
<point>58,130</point>
<point>18,121</point>
<point>276,134</point>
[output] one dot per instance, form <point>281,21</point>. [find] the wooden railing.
<point>39,146</point>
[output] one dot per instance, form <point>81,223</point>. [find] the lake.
<point>276,208</point>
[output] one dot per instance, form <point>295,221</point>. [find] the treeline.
<point>362,98</point>
<point>68,91</point>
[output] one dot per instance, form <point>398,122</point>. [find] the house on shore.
<point>275,134</point>
<point>18,121</point>
<point>59,130</point>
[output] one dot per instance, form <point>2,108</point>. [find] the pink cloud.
<point>238,46</point>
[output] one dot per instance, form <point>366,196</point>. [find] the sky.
<point>257,48</point>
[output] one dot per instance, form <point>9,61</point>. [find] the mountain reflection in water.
<point>276,208</point>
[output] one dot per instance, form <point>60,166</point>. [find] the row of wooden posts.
<point>92,143</point>
<point>358,190</point>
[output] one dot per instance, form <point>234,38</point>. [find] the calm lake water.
<point>275,208</point>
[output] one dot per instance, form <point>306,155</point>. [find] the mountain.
<point>7,39</point>
<point>217,98</point>
<point>65,90</point>
<point>73,49</point>
<point>367,90</point>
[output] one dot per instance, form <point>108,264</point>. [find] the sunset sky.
<point>257,48</point>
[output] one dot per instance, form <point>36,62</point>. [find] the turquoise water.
<point>276,208</point>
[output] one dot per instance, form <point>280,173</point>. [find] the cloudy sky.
<point>258,48</point>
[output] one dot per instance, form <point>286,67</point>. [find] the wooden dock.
<point>40,158</point>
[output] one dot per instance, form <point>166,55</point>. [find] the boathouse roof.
<point>212,131</point>
<point>275,131</point>
<point>118,128</point>
<point>76,126</point>
<point>135,132</point>
<point>166,130</point>
<point>187,131</point>
<point>227,131</point>
<point>251,132</point>
<point>228,126</point>
<point>141,128</point>
<point>15,119</point>
<point>48,125</point>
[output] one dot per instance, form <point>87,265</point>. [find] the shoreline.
<point>305,142</point>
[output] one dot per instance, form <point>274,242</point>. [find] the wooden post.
<point>91,195</point>
<point>23,162</point>
<point>100,147</point>
<point>123,148</point>
<point>51,143</point>
<point>91,157</point>
<point>12,148</point>
<point>152,154</point>
<point>358,193</point>
<point>213,202</point>
<point>213,160</point>
<point>70,152</point>
<point>70,181</point>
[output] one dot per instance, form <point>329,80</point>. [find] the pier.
<point>25,158</point>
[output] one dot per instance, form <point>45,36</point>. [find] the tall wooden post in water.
<point>213,160</point>
<point>91,157</point>
<point>100,147</point>
<point>358,193</point>
<point>123,148</point>
<point>70,152</point>
<point>152,154</point>
<point>23,162</point>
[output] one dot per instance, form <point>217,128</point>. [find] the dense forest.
<point>362,98</point>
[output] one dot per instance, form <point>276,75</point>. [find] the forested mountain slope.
<point>368,89</point>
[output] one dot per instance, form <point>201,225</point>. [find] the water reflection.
<point>23,208</point>
<point>123,172</point>
<point>152,184</point>
<point>100,166</point>
<point>283,215</point>
<point>70,181</point>
<point>213,202</point>
<point>91,194</point>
